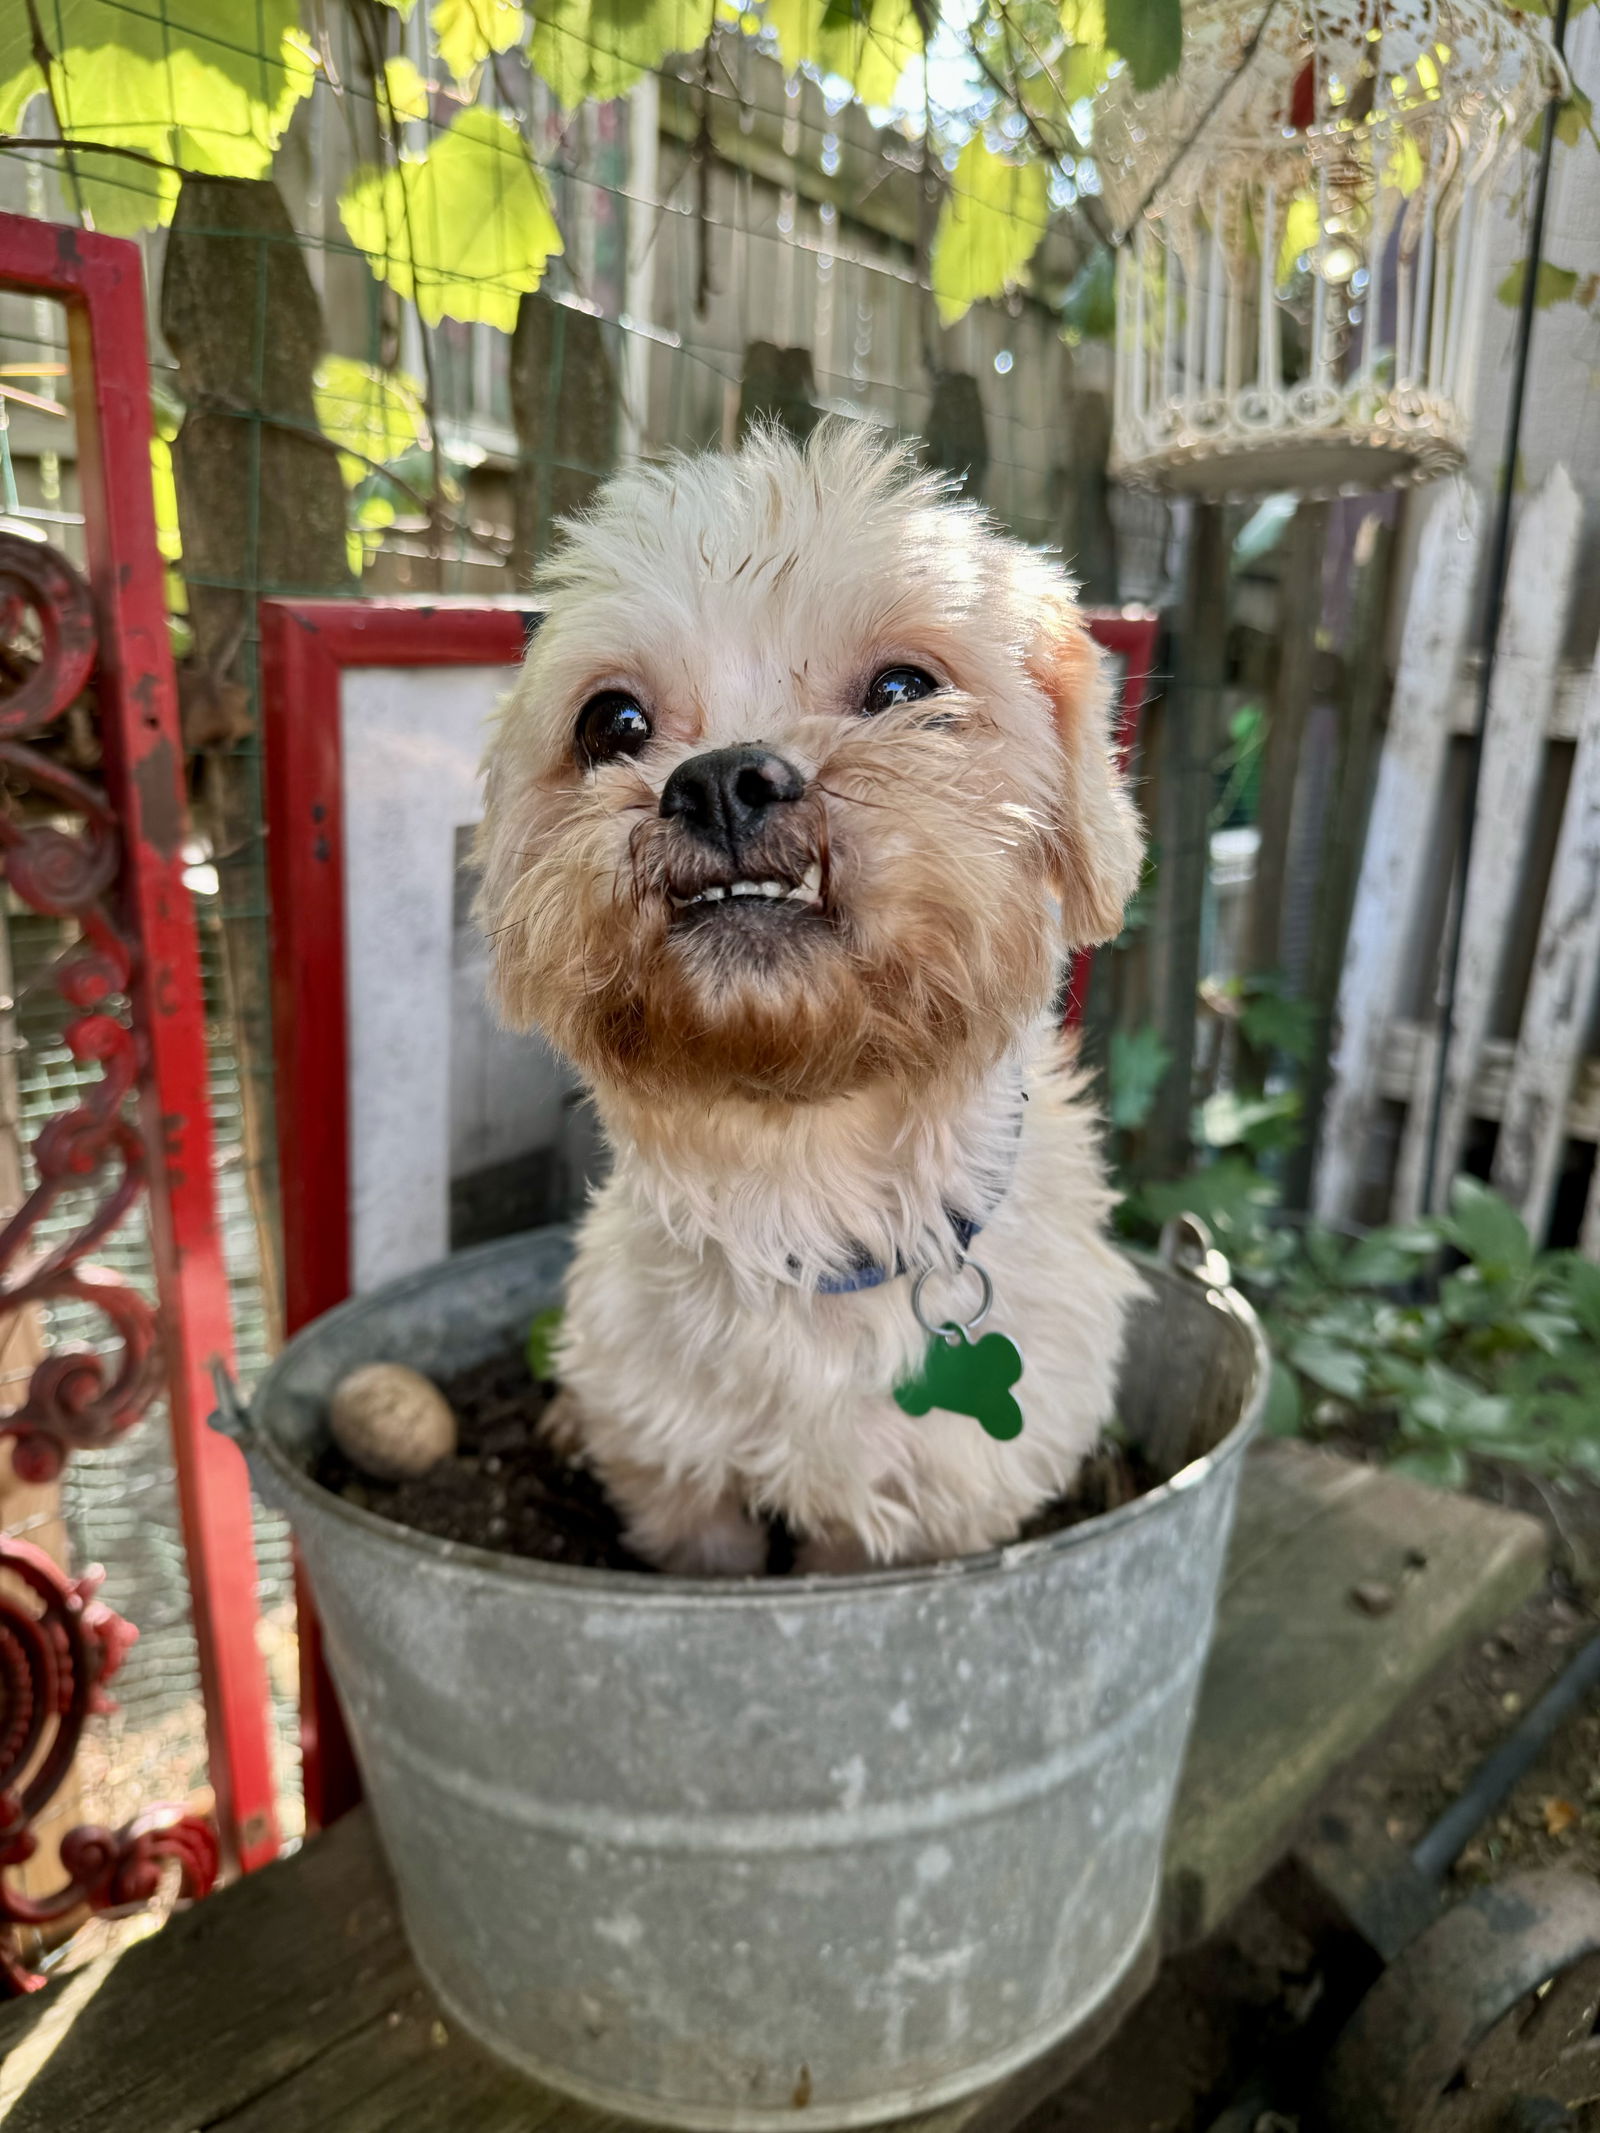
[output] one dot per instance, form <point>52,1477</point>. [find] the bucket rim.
<point>662,1588</point>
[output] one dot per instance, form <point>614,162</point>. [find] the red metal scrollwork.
<point>74,1401</point>
<point>59,1646</point>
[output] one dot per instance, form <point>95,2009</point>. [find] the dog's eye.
<point>609,725</point>
<point>896,687</point>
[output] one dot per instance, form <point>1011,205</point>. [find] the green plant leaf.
<point>1491,1232</point>
<point>1139,1059</point>
<point>1383,1260</point>
<point>1272,1022</point>
<point>1089,308</point>
<point>1336,1369</point>
<point>1282,1414</point>
<point>1555,285</point>
<point>376,414</point>
<point>466,32</point>
<point>1230,1196</point>
<point>989,227</point>
<point>1440,1466</point>
<point>1228,1120</point>
<point>868,43</point>
<point>542,1337</point>
<point>1580,1279</point>
<point>1450,1405</point>
<point>589,51</point>
<point>465,229</point>
<point>1148,34</point>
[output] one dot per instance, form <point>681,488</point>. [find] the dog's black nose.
<point>723,796</point>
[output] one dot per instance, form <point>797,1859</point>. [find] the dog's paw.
<point>832,1555</point>
<point>728,1545</point>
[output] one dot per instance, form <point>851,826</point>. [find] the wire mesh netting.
<point>417,278</point>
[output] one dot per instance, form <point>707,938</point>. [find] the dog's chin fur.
<point>790,1084</point>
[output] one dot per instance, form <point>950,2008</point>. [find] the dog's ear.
<point>1097,842</point>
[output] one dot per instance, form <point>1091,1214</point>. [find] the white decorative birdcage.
<point>1301,293</point>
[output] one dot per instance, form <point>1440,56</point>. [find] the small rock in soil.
<point>1373,1597</point>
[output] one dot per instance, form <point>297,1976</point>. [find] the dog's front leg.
<point>684,1527</point>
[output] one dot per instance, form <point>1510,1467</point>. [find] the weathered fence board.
<point>1561,993</point>
<point>1396,852</point>
<point>1542,1085</point>
<point>1537,593</point>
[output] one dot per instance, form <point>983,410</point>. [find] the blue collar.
<point>865,1273</point>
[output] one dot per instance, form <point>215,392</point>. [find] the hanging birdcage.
<point>1306,204</point>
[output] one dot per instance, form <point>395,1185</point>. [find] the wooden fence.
<point>1520,1059</point>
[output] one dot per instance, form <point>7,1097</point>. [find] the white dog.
<point>804,791</point>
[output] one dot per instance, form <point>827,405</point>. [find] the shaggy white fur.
<point>790,1084</point>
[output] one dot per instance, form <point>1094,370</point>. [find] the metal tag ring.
<point>952,1330</point>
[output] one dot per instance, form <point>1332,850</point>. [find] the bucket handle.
<point>231,1417</point>
<point>1187,1247</point>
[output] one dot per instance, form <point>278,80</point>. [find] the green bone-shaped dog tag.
<point>968,1378</point>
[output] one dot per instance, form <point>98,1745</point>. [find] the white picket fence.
<point>1540,1087</point>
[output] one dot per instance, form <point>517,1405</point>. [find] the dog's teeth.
<point>713,895</point>
<point>770,888</point>
<point>809,890</point>
<point>745,888</point>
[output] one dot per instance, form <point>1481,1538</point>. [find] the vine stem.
<point>373,46</point>
<point>44,59</point>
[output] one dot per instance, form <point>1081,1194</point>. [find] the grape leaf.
<point>378,414</point>
<point>408,92</point>
<point>868,43</point>
<point>465,229</point>
<point>465,32</point>
<point>210,84</point>
<point>992,220</point>
<point>594,50</point>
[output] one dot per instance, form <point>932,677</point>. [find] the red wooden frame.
<point>99,281</point>
<point>306,645</point>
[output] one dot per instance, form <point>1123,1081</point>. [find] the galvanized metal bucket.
<point>728,1855</point>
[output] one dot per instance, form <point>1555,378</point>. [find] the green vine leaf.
<point>465,229</point>
<point>868,43</point>
<point>466,32</point>
<point>992,220</point>
<point>594,50</point>
<point>407,90</point>
<point>377,414</point>
<point>206,84</point>
<point>1148,34</point>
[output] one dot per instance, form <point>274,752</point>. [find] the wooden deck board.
<point>289,2005</point>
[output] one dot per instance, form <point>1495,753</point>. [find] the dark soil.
<point>508,1490</point>
<point>1405,1780</point>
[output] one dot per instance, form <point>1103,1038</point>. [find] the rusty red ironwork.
<point>120,876</point>
<point>73,1401</point>
<point>59,1647</point>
